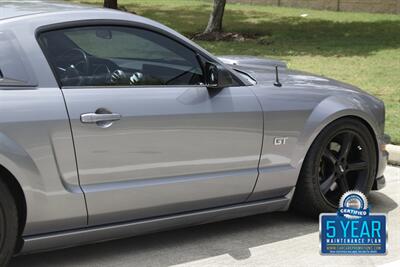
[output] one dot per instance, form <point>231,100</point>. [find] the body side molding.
<point>84,236</point>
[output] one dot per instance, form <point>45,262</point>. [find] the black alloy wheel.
<point>343,165</point>
<point>343,157</point>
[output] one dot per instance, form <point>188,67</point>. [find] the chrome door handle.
<point>96,117</point>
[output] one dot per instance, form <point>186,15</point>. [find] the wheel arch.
<point>19,172</point>
<point>364,122</point>
<point>19,197</point>
<point>326,112</point>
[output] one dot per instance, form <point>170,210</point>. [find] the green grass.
<point>359,48</point>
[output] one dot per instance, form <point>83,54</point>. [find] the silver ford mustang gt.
<point>113,125</point>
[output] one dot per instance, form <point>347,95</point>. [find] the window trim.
<point>118,23</point>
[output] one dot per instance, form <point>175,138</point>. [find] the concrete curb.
<point>394,154</point>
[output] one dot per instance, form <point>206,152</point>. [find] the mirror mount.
<point>216,76</point>
<point>211,75</point>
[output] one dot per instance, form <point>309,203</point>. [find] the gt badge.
<point>280,141</point>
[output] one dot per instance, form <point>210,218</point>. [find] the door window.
<point>119,56</point>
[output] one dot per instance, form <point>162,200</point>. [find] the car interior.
<point>119,56</point>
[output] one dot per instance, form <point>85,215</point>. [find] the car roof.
<point>47,12</point>
<point>17,8</point>
<point>58,11</point>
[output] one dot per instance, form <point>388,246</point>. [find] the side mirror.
<point>217,76</point>
<point>104,34</point>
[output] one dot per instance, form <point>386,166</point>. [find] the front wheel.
<point>342,158</point>
<point>8,224</point>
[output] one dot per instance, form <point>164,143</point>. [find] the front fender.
<point>327,111</point>
<point>299,116</point>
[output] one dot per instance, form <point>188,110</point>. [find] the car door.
<point>150,139</point>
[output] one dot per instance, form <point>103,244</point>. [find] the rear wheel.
<point>8,224</point>
<point>342,158</point>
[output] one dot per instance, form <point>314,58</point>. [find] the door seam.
<point>75,157</point>
<point>262,146</point>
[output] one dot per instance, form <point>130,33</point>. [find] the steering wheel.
<point>77,66</point>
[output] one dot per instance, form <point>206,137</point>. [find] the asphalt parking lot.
<point>275,239</point>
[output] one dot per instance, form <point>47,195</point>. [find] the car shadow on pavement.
<point>233,237</point>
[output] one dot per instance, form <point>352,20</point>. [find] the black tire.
<point>8,224</point>
<point>326,161</point>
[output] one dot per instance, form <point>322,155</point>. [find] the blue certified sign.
<point>353,230</point>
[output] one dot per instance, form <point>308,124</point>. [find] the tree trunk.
<point>111,4</point>
<point>215,21</point>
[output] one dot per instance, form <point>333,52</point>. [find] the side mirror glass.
<point>104,34</point>
<point>217,76</point>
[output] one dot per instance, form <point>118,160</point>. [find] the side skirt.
<point>84,236</point>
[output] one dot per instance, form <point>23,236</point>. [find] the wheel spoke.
<point>357,166</point>
<point>346,145</point>
<point>326,185</point>
<point>329,155</point>
<point>343,184</point>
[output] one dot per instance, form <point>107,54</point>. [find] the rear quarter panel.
<point>36,144</point>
